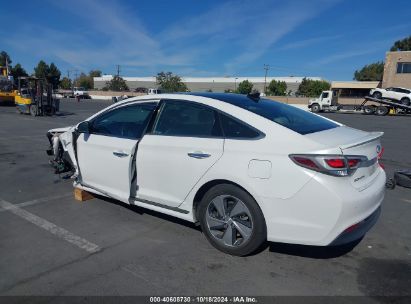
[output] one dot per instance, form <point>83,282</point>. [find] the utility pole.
<point>118,70</point>
<point>266,68</point>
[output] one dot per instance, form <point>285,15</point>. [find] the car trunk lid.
<point>354,142</point>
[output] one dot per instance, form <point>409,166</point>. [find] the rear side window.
<point>234,128</point>
<point>291,117</point>
<point>181,118</point>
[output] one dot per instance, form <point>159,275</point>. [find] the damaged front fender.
<point>62,149</point>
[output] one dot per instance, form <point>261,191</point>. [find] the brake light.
<point>337,165</point>
<point>353,162</point>
<point>305,162</point>
<point>379,157</point>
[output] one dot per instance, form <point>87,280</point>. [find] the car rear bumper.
<point>358,230</point>
<point>322,211</point>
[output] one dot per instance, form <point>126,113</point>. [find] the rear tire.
<point>231,220</point>
<point>377,95</point>
<point>315,108</point>
<point>382,111</point>
<point>369,110</point>
<point>405,101</point>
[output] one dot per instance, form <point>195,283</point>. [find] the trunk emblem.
<point>378,148</point>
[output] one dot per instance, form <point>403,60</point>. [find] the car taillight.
<point>337,165</point>
<point>379,157</point>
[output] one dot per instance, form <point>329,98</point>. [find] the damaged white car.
<point>247,169</point>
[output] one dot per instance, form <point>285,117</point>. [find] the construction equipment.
<point>7,94</point>
<point>35,97</point>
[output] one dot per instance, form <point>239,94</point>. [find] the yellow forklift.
<point>35,97</point>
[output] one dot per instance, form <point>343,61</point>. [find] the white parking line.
<point>40,200</point>
<point>50,227</point>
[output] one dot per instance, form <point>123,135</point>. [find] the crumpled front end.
<point>61,150</point>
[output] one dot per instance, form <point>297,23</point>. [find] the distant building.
<point>201,84</point>
<point>397,70</point>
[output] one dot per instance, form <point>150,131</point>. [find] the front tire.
<point>231,220</point>
<point>33,110</point>
<point>377,95</point>
<point>315,108</point>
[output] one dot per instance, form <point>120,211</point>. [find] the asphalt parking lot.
<point>51,244</point>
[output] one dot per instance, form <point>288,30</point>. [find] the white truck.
<point>328,101</point>
<point>75,92</point>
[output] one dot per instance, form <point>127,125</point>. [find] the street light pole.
<point>235,84</point>
<point>266,68</point>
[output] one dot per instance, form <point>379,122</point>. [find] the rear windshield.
<point>291,117</point>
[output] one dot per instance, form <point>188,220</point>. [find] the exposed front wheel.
<point>231,220</point>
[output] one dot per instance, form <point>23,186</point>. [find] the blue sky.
<point>326,38</point>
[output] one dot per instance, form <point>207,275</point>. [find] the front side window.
<point>127,122</point>
<point>181,118</point>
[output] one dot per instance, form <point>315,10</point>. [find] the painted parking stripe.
<point>40,200</point>
<point>50,227</point>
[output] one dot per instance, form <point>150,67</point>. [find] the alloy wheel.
<point>229,220</point>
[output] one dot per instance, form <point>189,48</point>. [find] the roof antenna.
<point>255,96</point>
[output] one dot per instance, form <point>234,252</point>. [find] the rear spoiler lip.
<point>363,140</point>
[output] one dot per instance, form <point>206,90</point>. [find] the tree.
<point>50,72</point>
<point>312,88</point>
<point>95,73</point>
<point>244,87</point>
<point>3,57</point>
<point>170,83</point>
<point>277,88</point>
<point>84,81</point>
<point>66,83</point>
<point>370,72</point>
<point>116,84</point>
<point>402,45</point>
<point>18,71</point>
<point>41,70</point>
<point>53,75</point>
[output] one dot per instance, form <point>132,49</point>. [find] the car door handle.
<point>198,155</point>
<point>120,154</point>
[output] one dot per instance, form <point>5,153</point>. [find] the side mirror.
<point>83,127</point>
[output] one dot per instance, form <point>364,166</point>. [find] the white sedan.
<point>247,169</point>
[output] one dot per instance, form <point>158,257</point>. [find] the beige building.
<point>397,70</point>
<point>354,88</point>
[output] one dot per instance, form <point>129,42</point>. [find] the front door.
<point>185,142</point>
<point>106,155</point>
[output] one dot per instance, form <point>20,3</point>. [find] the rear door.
<point>106,154</point>
<point>185,142</point>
